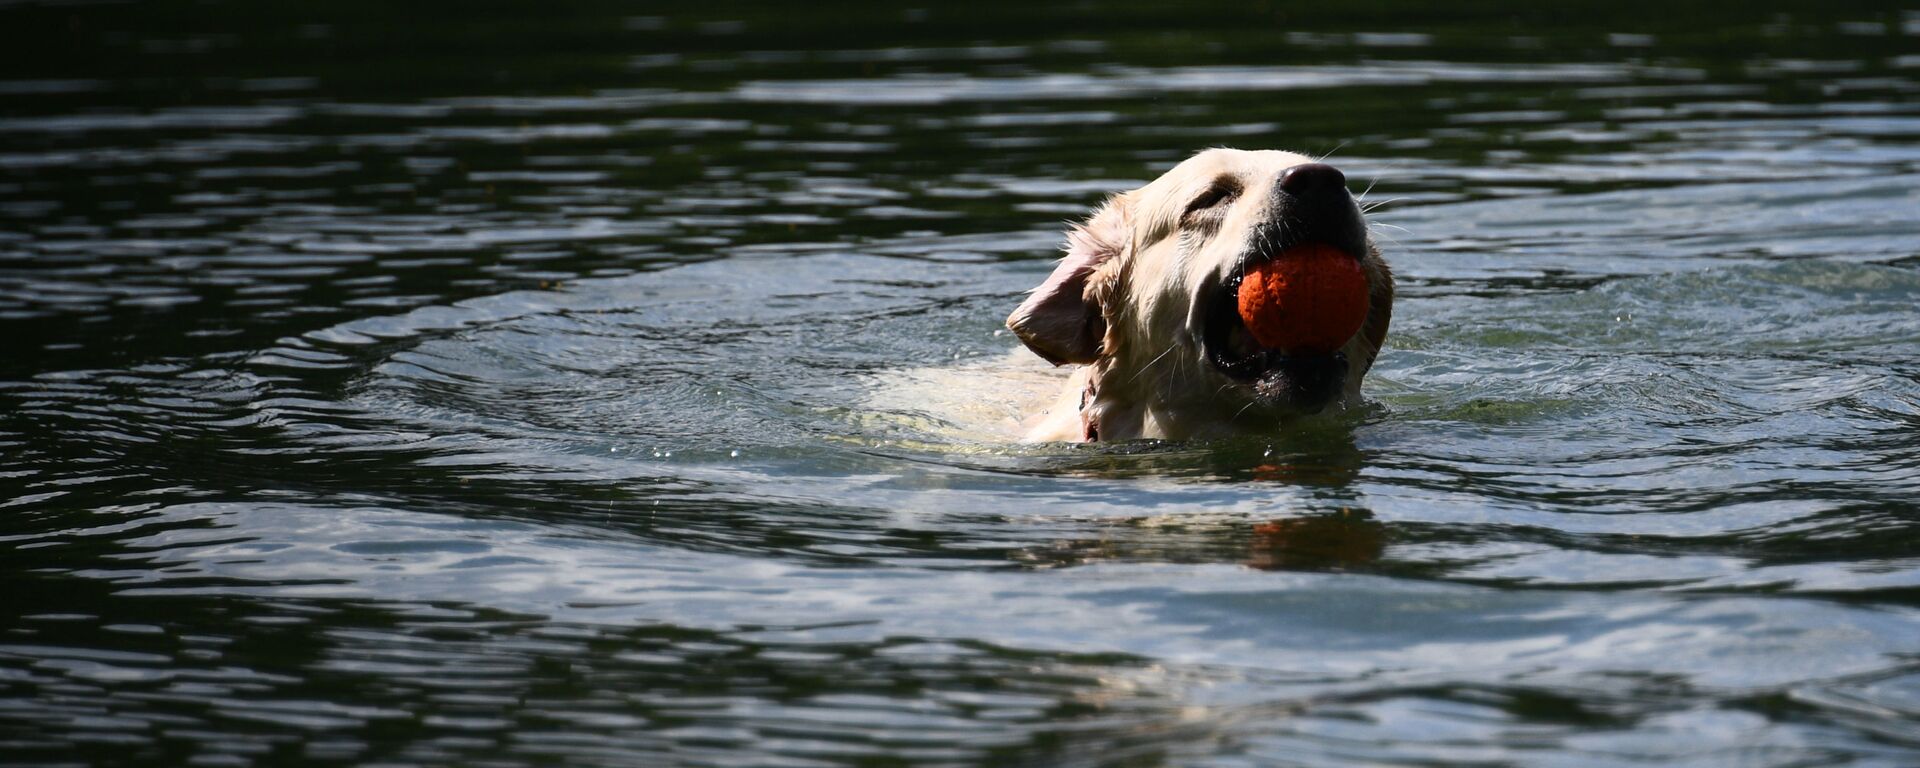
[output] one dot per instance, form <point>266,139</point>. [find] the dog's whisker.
<point>1150,364</point>
<point>1369,206</point>
<point>1369,189</point>
<point>1382,235</point>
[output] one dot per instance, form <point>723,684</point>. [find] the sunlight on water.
<point>629,387</point>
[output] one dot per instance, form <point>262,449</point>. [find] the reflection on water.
<point>621,386</point>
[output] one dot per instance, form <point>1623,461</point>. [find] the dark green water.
<point>505,384</point>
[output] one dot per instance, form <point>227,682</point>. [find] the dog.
<point>1145,303</point>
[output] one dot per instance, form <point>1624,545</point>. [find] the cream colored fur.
<point>1148,375</point>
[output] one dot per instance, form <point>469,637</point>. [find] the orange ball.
<point>1306,301</point>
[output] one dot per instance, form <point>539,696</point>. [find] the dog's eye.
<point>1209,204</point>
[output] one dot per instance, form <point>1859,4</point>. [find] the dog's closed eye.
<point>1207,209</point>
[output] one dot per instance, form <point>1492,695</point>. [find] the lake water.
<point>511,384</point>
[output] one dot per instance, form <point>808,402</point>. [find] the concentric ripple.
<point>619,386</point>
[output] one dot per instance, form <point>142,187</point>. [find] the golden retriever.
<point>1145,303</point>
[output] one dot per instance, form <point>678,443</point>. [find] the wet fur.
<point>1122,305</point>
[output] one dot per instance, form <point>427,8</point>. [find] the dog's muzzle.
<point>1299,383</point>
<point>1309,204</point>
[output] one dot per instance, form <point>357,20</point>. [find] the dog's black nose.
<point>1312,180</point>
<point>1310,203</point>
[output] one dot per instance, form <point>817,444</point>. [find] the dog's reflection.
<point>1347,539</point>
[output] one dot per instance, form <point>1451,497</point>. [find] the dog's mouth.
<point>1310,207</point>
<point>1303,383</point>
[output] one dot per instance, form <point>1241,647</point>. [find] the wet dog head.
<point>1147,293</point>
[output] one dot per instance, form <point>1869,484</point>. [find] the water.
<point>503,385</point>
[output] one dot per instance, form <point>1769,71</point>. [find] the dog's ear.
<point>1060,321</point>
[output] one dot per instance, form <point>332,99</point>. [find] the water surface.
<point>505,385</point>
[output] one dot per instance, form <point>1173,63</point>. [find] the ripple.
<point>1120,82</point>
<point>630,389</point>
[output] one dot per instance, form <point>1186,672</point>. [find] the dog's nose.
<point>1309,203</point>
<point>1312,180</point>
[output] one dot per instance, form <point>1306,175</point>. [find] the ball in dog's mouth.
<point>1284,321</point>
<point>1307,300</point>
